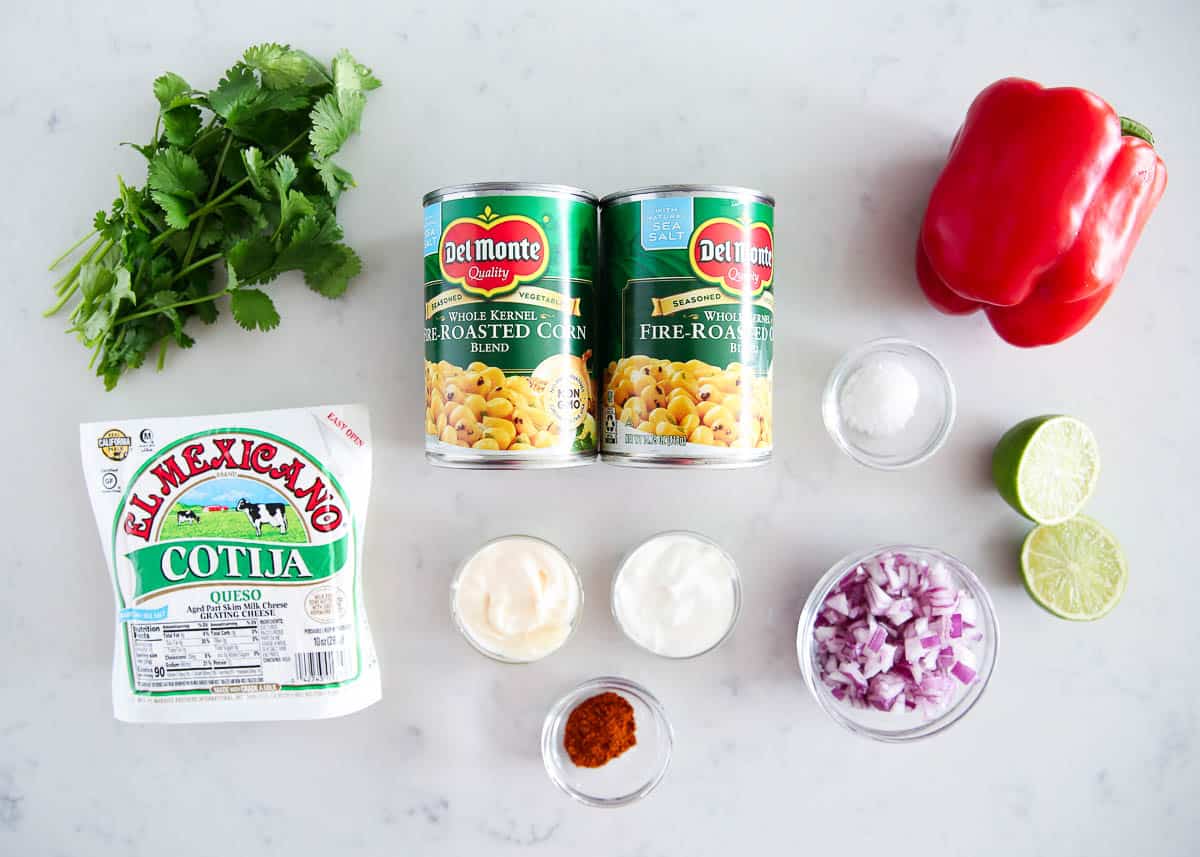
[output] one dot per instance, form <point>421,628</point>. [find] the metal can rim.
<point>470,189</point>
<point>662,191</point>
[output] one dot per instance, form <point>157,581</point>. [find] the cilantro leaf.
<point>122,289</point>
<point>181,125</point>
<point>243,218</point>
<point>284,175</point>
<point>309,244</point>
<point>292,207</point>
<point>294,98</point>
<point>171,90</point>
<point>198,287</point>
<point>252,207</point>
<point>334,178</point>
<point>176,208</point>
<point>252,159</point>
<point>339,114</point>
<point>334,119</point>
<point>236,90</point>
<point>176,172</point>
<point>251,258</point>
<point>242,103</point>
<point>100,321</point>
<point>95,280</point>
<point>211,232</point>
<point>253,308</point>
<point>351,76</point>
<point>130,205</point>
<point>331,274</point>
<point>279,66</point>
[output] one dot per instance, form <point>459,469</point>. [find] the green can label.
<point>509,327</point>
<point>688,311</point>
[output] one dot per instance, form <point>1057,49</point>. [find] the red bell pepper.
<point>1038,208</point>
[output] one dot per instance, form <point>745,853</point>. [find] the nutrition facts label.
<point>195,655</point>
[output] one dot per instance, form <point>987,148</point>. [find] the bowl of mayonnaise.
<point>517,599</point>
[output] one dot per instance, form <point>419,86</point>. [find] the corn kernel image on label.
<point>509,326</point>
<point>688,312</point>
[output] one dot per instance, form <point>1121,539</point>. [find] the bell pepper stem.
<point>1133,128</point>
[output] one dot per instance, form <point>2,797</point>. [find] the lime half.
<point>1046,467</point>
<point>1076,570</point>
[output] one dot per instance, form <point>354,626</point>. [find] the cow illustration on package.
<point>274,514</point>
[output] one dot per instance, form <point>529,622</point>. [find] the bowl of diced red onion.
<point>897,643</point>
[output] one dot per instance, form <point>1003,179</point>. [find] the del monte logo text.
<point>490,255</point>
<point>737,256</point>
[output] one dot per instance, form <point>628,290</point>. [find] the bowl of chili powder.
<point>607,742</point>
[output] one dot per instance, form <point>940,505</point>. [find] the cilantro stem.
<point>208,131</point>
<point>70,281</point>
<point>207,260</point>
<point>72,249</point>
<point>158,309</point>
<point>59,304</point>
<point>162,354</point>
<point>70,275</point>
<point>199,227</point>
<point>213,204</point>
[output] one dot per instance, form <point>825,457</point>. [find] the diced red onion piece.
<point>875,571</point>
<point>962,672</point>
<point>946,658</point>
<point>878,601</point>
<point>922,609</point>
<point>876,640</point>
<point>838,603</point>
<point>912,650</point>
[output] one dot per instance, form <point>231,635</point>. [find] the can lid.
<point>470,189</point>
<point>662,191</point>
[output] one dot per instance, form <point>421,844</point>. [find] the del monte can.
<point>688,308</point>
<point>509,325</point>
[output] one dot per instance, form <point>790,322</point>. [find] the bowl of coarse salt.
<point>889,404</point>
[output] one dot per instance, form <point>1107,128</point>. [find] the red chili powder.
<point>599,729</point>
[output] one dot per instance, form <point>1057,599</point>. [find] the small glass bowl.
<point>735,580</point>
<point>884,725</point>
<point>627,778</point>
<point>479,647</point>
<point>931,421</point>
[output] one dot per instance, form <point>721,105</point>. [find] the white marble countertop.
<point>1086,741</point>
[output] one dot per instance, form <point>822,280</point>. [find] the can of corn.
<point>687,326</point>
<point>509,325</point>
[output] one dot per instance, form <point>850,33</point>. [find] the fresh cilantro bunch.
<point>242,175</point>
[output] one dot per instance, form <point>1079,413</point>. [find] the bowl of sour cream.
<point>517,599</point>
<point>678,595</point>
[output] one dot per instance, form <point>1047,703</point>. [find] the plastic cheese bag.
<point>234,546</point>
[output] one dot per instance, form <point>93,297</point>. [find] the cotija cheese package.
<point>234,546</point>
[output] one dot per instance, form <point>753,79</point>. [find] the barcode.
<point>319,666</point>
